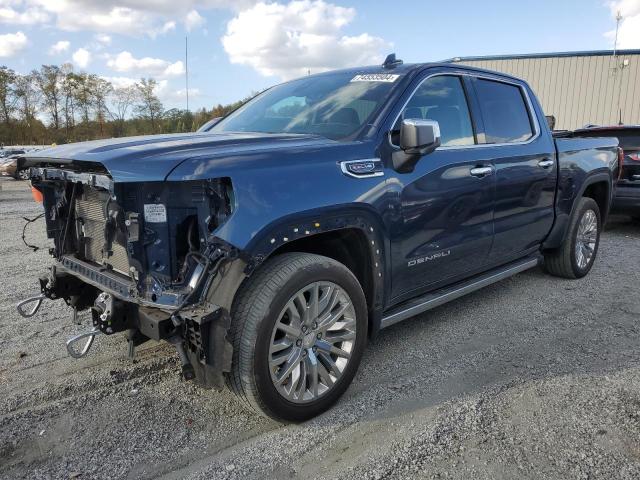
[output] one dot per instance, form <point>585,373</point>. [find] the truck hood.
<point>153,157</point>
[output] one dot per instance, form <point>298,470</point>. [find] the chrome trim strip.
<point>343,167</point>
<point>437,300</point>
<point>531,111</point>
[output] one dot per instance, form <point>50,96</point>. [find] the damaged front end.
<point>143,257</point>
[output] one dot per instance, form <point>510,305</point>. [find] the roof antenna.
<point>391,62</point>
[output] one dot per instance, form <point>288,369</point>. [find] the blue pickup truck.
<point>269,248</point>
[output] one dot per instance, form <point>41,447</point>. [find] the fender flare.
<point>561,224</point>
<point>308,224</point>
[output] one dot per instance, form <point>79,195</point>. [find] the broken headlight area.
<point>141,256</point>
<point>153,235</point>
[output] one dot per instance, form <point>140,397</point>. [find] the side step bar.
<point>442,296</point>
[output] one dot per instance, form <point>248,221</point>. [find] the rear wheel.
<point>575,257</point>
<point>299,328</point>
<point>23,175</point>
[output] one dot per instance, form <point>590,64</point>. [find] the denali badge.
<point>368,167</point>
<point>155,213</point>
<point>361,168</point>
<point>428,258</point>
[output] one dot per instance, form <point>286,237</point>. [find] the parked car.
<point>627,196</point>
<point>270,248</point>
<point>10,165</point>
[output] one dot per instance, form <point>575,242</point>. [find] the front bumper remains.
<point>199,331</point>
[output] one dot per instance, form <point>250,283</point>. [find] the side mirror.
<point>417,138</point>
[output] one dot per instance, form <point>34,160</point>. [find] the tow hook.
<point>89,335</point>
<point>101,312</point>
<point>24,312</point>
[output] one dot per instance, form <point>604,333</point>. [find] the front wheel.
<point>22,175</point>
<point>575,257</point>
<point>299,327</point>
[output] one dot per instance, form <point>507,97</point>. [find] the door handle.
<point>546,163</point>
<point>481,171</point>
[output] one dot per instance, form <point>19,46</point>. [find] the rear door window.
<point>504,112</point>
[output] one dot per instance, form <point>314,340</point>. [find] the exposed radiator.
<point>92,216</point>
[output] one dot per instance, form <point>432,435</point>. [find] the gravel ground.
<point>534,377</point>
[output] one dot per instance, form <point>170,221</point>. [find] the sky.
<point>243,46</point>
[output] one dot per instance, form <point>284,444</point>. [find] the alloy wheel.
<point>586,238</point>
<point>312,342</point>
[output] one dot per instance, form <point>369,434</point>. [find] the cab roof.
<point>412,68</point>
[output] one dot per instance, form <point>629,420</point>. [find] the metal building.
<point>578,88</point>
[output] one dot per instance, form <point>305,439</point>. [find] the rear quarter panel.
<point>582,162</point>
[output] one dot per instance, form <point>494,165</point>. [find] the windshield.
<point>333,106</point>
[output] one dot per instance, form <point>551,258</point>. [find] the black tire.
<point>22,175</point>
<point>256,310</point>
<point>563,262</point>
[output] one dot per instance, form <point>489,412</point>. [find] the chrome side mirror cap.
<point>417,138</point>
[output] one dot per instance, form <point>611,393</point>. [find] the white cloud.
<point>162,89</point>
<point>288,40</point>
<point>29,16</point>
<point>629,31</point>
<point>12,43</point>
<point>168,27</point>
<point>125,62</point>
<point>59,47</point>
<point>81,57</point>
<point>120,82</point>
<point>174,69</point>
<point>193,20</point>
<point>129,17</point>
<point>103,38</point>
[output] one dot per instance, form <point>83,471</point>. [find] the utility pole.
<point>615,43</point>
<point>618,69</point>
<point>186,68</point>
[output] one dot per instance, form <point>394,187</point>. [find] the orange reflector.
<point>37,195</point>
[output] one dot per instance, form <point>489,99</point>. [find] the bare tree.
<point>28,97</point>
<point>83,93</point>
<point>122,99</point>
<point>150,106</point>
<point>101,91</point>
<point>69,85</point>
<point>7,94</point>
<point>57,104</point>
<point>50,79</point>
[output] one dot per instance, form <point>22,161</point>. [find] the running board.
<point>442,296</point>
